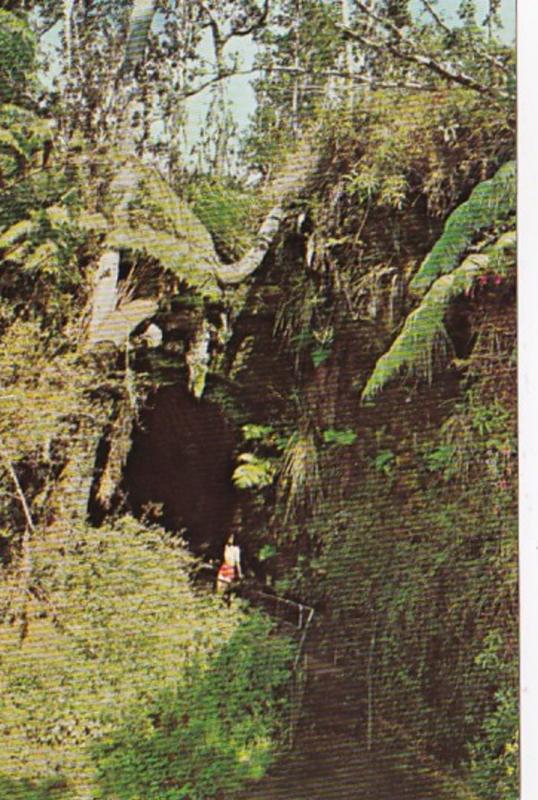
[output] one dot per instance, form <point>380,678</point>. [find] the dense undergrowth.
<point>397,515</point>
<point>368,367</point>
<point>128,683</point>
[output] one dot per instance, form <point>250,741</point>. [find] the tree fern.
<point>140,195</point>
<point>490,202</point>
<point>176,255</point>
<point>149,217</point>
<point>424,332</point>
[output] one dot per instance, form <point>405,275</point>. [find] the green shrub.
<point>213,733</point>
<point>494,753</point>
<point>119,649</point>
<point>17,56</point>
<point>227,213</point>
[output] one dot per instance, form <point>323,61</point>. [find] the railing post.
<point>370,693</point>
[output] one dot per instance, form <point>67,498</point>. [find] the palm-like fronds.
<point>176,255</point>
<point>43,255</point>
<point>9,141</point>
<point>490,202</point>
<point>149,217</point>
<point>55,216</point>
<point>253,472</point>
<point>424,332</point>
<point>17,231</point>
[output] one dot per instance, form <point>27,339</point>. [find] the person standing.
<point>230,569</point>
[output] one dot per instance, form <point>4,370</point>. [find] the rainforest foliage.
<point>335,286</point>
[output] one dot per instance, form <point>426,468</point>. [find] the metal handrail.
<point>305,615</point>
<point>303,620</point>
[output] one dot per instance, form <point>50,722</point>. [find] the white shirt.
<point>232,555</point>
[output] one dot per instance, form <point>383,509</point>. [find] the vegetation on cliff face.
<point>344,302</point>
<point>398,516</point>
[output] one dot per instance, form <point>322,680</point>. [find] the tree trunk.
<point>291,181</point>
<point>141,17</point>
<point>70,498</point>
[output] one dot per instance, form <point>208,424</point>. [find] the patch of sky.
<point>449,11</point>
<point>239,91</point>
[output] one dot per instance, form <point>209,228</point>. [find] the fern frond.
<point>140,195</point>
<point>40,130</point>
<point>424,332</point>
<point>41,255</point>
<point>149,217</point>
<point>16,232</point>
<point>301,477</point>
<point>58,215</point>
<point>176,255</point>
<point>165,208</point>
<point>11,142</point>
<point>253,472</point>
<point>96,222</point>
<point>18,253</point>
<point>490,202</point>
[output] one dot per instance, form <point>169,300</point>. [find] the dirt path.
<point>330,759</point>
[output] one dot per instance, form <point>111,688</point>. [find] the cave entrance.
<point>180,467</point>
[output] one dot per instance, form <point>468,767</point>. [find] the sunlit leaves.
<point>253,472</point>
<point>343,438</point>
<point>122,652</point>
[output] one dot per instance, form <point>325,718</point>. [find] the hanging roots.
<point>300,481</point>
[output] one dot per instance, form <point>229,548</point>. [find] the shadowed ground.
<point>330,758</point>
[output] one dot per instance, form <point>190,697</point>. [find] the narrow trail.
<point>330,760</point>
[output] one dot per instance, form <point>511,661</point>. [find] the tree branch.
<point>482,53</point>
<point>438,20</point>
<point>330,73</point>
<point>353,76</point>
<point>384,22</point>
<point>18,489</point>
<point>44,29</point>
<point>288,184</point>
<point>416,54</point>
<point>262,19</point>
<point>223,39</point>
<point>443,70</point>
<point>215,79</point>
<point>26,540</point>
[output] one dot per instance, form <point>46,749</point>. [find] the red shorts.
<point>226,573</point>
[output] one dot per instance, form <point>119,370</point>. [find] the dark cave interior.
<point>180,467</point>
